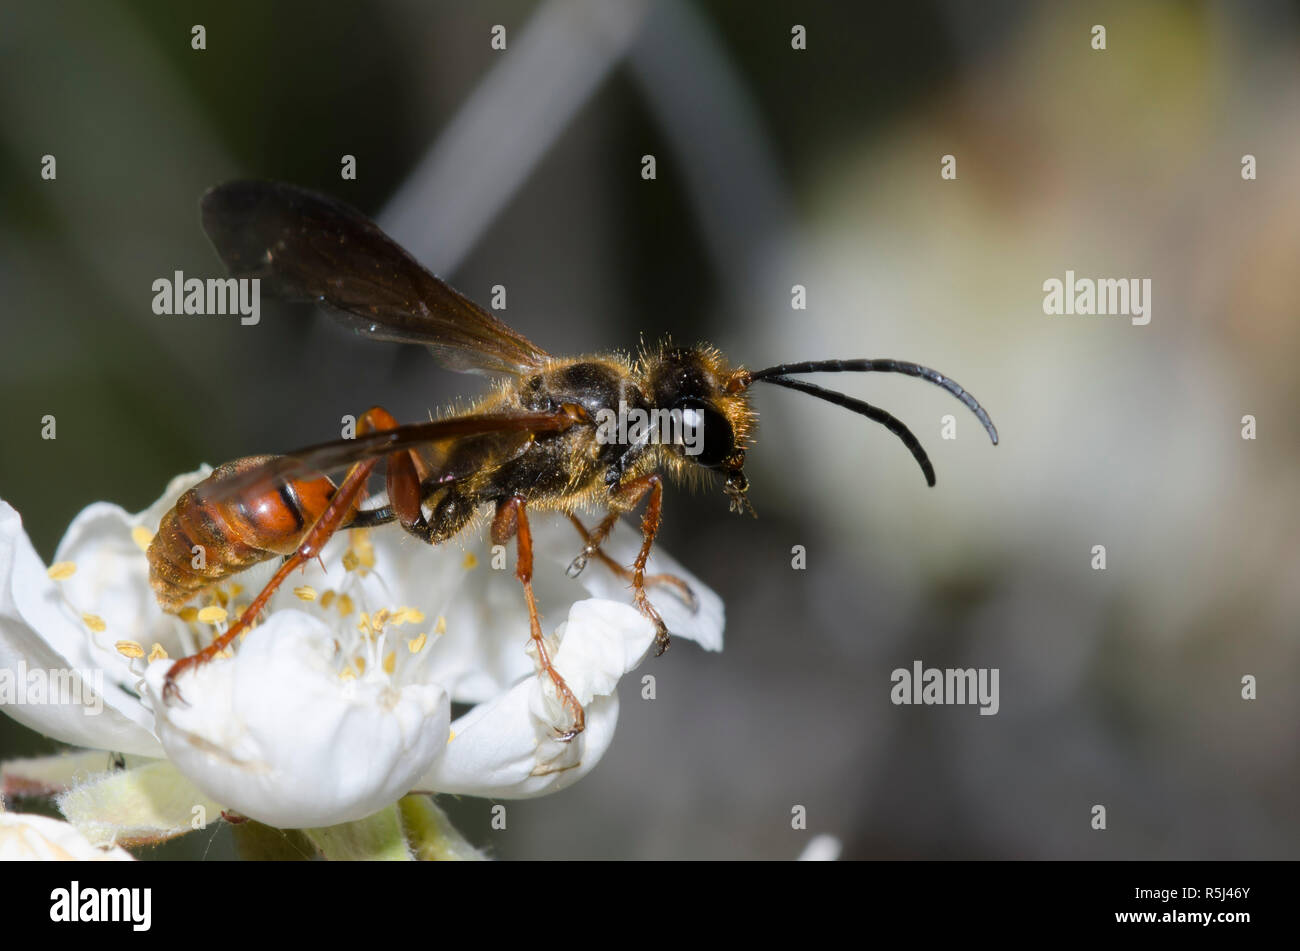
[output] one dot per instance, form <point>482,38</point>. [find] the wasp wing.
<point>306,246</point>
<point>461,445</point>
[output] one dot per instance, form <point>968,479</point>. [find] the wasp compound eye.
<point>707,437</point>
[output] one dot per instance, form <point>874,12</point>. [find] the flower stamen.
<point>364,549</point>
<point>62,570</point>
<point>212,614</point>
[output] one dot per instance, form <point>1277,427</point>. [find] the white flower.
<point>289,715</point>
<point>339,702</point>
<point>30,838</point>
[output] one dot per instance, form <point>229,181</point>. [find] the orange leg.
<point>627,497</point>
<point>594,539</point>
<point>511,520</point>
<point>341,506</point>
<point>649,528</point>
<point>592,548</point>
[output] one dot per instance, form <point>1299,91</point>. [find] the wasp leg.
<point>512,520</point>
<point>594,539</point>
<point>341,506</point>
<point>404,495</point>
<point>625,498</point>
<point>649,528</point>
<point>592,549</point>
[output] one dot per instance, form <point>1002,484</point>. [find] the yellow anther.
<point>451,735</point>
<point>62,570</point>
<point>222,596</point>
<point>365,551</point>
<point>94,622</point>
<point>390,662</point>
<point>350,560</point>
<point>364,624</point>
<point>471,560</point>
<point>157,652</point>
<point>327,598</point>
<point>380,619</point>
<point>212,614</point>
<point>412,616</point>
<point>236,590</point>
<point>415,645</point>
<point>440,627</point>
<point>129,649</point>
<point>345,604</point>
<point>142,537</point>
<point>305,593</point>
<point>347,673</point>
<point>190,614</point>
<point>361,665</point>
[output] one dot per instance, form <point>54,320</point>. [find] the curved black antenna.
<point>892,423</point>
<point>883,366</point>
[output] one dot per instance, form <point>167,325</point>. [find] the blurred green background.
<point>775,167</point>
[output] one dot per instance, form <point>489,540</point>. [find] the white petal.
<point>40,632</point>
<point>30,838</point>
<point>508,746</point>
<point>276,734</point>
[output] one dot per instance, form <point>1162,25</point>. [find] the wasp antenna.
<point>883,366</point>
<point>890,422</point>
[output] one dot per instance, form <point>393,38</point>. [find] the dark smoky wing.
<point>305,246</point>
<point>482,438</point>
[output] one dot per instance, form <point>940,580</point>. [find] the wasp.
<point>537,442</point>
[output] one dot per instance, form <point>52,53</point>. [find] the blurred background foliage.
<point>775,167</point>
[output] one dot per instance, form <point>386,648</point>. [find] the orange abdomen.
<point>204,538</point>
